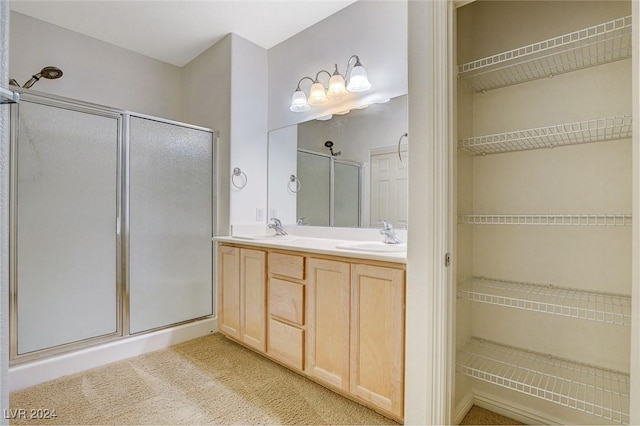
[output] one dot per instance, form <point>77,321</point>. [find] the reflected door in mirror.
<point>389,188</point>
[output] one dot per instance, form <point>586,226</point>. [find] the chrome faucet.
<point>302,221</point>
<point>277,226</point>
<point>388,233</point>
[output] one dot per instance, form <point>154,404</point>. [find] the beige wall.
<point>94,71</point>
<point>376,31</point>
<point>206,97</point>
<point>585,179</point>
<point>249,130</point>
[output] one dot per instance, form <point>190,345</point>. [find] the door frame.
<point>430,294</point>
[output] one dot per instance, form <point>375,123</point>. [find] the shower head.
<point>50,73</point>
<point>329,145</point>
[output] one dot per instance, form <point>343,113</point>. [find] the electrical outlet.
<point>259,214</point>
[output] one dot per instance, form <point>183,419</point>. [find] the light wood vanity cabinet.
<point>241,284</point>
<point>253,270</point>
<point>286,309</point>
<point>355,334</point>
<point>328,301</point>
<point>377,336</point>
<point>339,321</point>
<point>229,290</point>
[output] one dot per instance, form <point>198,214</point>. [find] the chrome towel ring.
<point>293,179</point>
<point>237,173</point>
<point>404,135</point>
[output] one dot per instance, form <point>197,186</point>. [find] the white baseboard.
<point>463,408</point>
<point>515,411</point>
<point>29,374</point>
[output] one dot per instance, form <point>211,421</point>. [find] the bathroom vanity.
<point>333,315</point>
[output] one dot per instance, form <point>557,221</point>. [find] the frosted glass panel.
<point>313,201</point>
<point>346,186</point>
<point>66,226</point>
<point>170,261</point>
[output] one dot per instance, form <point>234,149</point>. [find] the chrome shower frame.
<point>122,223</point>
<point>332,161</point>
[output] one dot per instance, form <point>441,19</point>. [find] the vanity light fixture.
<point>356,81</point>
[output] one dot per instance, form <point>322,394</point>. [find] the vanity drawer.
<point>286,300</point>
<point>286,343</point>
<point>287,265</point>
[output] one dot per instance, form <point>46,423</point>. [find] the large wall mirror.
<point>348,170</point>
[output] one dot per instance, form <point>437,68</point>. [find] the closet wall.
<point>534,222</point>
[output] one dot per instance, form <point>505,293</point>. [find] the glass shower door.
<point>313,201</point>
<point>65,243</point>
<point>346,194</point>
<point>170,223</point>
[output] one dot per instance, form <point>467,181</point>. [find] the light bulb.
<point>358,81</point>
<point>317,94</point>
<point>336,89</point>
<point>299,102</point>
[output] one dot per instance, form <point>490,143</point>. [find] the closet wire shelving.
<point>586,388</point>
<point>583,387</point>
<point>595,130</point>
<point>605,308</point>
<point>547,219</point>
<point>596,45</point>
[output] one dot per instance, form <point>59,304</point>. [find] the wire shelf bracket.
<point>582,387</point>
<point>600,44</point>
<point>547,219</point>
<point>580,132</point>
<point>605,308</point>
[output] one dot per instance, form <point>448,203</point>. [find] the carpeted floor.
<point>209,380</point>
<point>480,416</point>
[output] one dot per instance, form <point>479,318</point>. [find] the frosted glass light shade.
<point>317,94</point>
<point>299,102</point>
<point>337,89</point>
<point>358,81</point>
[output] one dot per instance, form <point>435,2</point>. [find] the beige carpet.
<point>210,380</point>
<point>480,416</point>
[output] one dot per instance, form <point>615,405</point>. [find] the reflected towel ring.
<point>404,135</point>
<point>293,179</point>
<point>237,172</point>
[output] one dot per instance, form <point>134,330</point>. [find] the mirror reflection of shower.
<point>50,73</point>
<point>329,145</point>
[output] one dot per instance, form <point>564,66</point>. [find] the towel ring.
<point>404,135</point>
<point>237,172</point>
<point>293,179</point>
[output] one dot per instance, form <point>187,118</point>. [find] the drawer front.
<point>287,265</point>
<point>286,343</point>
<point>286,300</point>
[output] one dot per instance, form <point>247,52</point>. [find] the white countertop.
<point>318,245</point>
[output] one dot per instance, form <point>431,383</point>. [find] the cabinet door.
<point>229,290</point>
<point>328,322</point>
<point>377,336</point>
<point>253,267</point>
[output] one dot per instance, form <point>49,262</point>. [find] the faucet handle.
<point>276,221</point>
<point>386,225</point>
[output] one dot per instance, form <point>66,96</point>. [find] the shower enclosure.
<point>330,190</point>
<point>111,222</point>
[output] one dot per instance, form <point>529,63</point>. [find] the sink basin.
<point>266,237</point>
<point>373,246</point>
